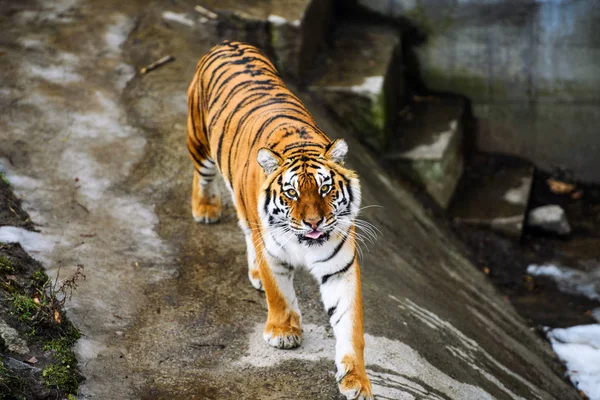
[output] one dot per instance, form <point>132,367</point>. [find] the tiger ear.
<point>268,160</point>
<point>337,151</point>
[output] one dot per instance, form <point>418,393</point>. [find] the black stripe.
<point>331,311</point>
<point>337,248</point>
<point>340,317</point>
<point>325,278</point>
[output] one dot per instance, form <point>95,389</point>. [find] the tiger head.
<point>310,196</point>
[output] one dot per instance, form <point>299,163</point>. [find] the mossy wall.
<point>531,69</point>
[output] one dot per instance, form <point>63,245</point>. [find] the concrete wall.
<point>531,68</point>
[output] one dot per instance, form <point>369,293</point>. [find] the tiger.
<point>295,200</point>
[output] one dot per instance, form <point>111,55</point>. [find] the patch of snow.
<point>436,149</point>
<point>125,72</point>
<point>34,243</point>
<point>106,123</point>
<point>23,182</point>
<point>520,194</point>
<point>179,18</point>
<point>58,11</point>
<point>549,218</point>
<point>579,348</point>
<point>371,86</point>
<point>117,32</point>
<point>400,362</point>
<point>87,349</point>
<point>570,280</point>
<point>277,20</point>
<point>31,43</point>
<point>55,74</point>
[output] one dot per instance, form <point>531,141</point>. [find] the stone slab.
<point>494,193</point>
<point>362,82</point>
<point>428,146</point>
<point>295,29</point>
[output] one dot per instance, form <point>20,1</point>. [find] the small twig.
<point>157,64</point>
<point>205,12</point>
<point>77,202</point>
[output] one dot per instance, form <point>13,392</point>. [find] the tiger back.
<point>296,202</point>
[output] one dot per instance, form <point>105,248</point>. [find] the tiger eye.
<point>291,193</point>
<point>325,189</point>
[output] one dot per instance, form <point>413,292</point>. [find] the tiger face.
<point>308,197</point>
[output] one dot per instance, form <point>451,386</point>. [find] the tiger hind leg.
<point>253,273</point>
<point>206,199</point>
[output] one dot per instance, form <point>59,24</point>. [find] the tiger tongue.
<point>313,234</point>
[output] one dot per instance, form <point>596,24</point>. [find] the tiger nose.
<point>313,222</point>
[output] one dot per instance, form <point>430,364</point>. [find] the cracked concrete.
<point>97,153</point>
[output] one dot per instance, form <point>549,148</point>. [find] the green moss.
<point>3,178</point>
<point>62,374</point>
<point>6,265</point>
<point>24,307</point>
<point>61,377</point>
<point>463,82</point>
<point>39,278</point>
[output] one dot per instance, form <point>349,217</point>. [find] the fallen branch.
<point>205,12</point>
<point>157,64</point>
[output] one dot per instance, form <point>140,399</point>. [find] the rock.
<point>21,366</point>
<point>362,82</point>
<point>494,193</point>
<point>549,218</point>
<point>428,146</point>
<point>11,339</point>
<point>293,29</point>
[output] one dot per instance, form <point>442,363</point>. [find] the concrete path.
<point>97,152</point>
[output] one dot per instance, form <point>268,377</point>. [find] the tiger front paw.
<point>283,337</point>
<point>353,381</point>
<point>254,277</point>
<point>207,213</point>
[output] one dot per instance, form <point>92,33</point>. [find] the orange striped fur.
<point>295,201</point>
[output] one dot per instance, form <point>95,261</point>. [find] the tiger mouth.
<point>314,234</point>
<point>314,237</point>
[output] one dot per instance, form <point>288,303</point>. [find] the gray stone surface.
<point>496,199</point>
<point>11,339</point>
<point>532,69</point>
<point>362,80</point>
<point>428,146</point>
<point>551,218</point>
<point>167,311</point>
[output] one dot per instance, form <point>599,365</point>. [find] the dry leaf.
<point>559,187</point>
<point>577,195</point>
<point>36,301</point>
<point>57,316</point>
<point>11,277</point>
<point>32,360</point>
